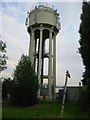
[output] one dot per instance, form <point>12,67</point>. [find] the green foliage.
<point>6,87</point>
<point>4,90</point>
<point>3,57</point>
<point>25,83</point>
<point>85,39</point>
<point>85,54</point>
<point>88,96</point>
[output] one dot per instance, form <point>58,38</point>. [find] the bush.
<point>85,98</point>
<point>25,83</point>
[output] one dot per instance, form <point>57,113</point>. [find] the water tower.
<point>43,24</point>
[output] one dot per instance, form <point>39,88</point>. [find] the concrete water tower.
<point>43,24</point>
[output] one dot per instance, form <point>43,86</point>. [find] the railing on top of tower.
<point>42,5</point>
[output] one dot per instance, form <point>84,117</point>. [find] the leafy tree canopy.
<point>3,57</point>
<point>25,85</point>
<point>85,54</point>
<point>84,41</point>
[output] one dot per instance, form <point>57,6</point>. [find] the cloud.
<point>43,1</point>
<point>0,19</point>
<point>67,44</point>
<point>15,34</point>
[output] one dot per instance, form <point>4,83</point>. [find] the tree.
<point>25,83</point>
<point>6,86</point>
<point>3,57</point>
<point>84,50</point>
<point>85,39</point>
<point>4,90</point>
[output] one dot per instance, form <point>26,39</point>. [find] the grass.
<point>42,110</point>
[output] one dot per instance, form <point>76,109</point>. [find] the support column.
<point>54,66</point>
<point>40,60</point>
<point>31,49</point>
<point>50,67</point>
<point>35,53</point>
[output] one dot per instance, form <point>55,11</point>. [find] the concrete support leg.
<point>54,66</point>
<point>31,49</point>
<point>50,67</point>
<point>35,55</point>
<point>40,61</point>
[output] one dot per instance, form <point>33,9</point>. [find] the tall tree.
<point>25,83</point>
<point>84,50</point>
<point>85,40</point>
<point>3,57</point>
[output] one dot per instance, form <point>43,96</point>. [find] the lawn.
<point>42,110</point>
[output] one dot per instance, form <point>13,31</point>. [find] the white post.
<point>64,94</point>
<point>54,65</point>
<point>40,60</point>
<point>50,67</point>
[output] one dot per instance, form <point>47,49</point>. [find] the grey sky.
<point>14,33</point>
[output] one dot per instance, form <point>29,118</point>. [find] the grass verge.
<point>42,110</point>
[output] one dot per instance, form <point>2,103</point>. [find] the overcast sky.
<point>14,33</point>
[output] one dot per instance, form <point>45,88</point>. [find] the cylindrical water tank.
<point>44,15</point>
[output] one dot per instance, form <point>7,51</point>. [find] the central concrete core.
<point>43,24</point>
